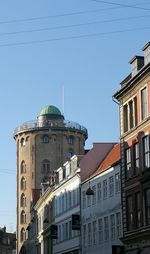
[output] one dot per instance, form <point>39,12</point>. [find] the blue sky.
<point>83,46</point>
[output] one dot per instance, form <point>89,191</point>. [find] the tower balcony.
<point>54,124</point>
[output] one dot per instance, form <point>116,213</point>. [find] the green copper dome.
<point>50,110</point>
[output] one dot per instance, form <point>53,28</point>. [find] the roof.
<point>50,110</point>
<point>111,159</point>
<point>93,158</point>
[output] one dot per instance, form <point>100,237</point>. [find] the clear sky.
<point>83,46</point>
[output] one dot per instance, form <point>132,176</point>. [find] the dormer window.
<point>45,139</point>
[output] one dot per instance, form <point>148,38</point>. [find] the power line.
<point>73,37</point>
<point>73,25</point>
<point>72,13</point>
<point>122,5</point>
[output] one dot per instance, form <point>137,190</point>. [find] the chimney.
<point>146,50</point>
<point>137,62</point>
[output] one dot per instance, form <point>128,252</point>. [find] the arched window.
<point>23,217</point>
<point>23,200</point>
<point>45,166</point>
<point>23,167</point>
<point>23,183</point>
<point>23,142</point>
<point>45,139</point>
<point>22,235</point>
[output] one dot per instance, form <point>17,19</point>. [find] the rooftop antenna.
<point>63,101</point>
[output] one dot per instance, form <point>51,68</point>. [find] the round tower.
<point>42,147</point>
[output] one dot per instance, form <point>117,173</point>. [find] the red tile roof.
<point>93,158</point>
<point>111,158</point>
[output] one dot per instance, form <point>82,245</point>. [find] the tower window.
<point>23,200</point>
<point>45,139</point>
<point>69,155</point>
<point>23,217</point>
<point>23,142</point>
<point>46,166</point>
<point>70,140</point>
<point>23,183</point>
<point>22,235</point>
<point>23,167</point>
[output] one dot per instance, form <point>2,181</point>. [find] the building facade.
<point>7,242</point>
<point>42,146</point>
<point>101,212</point>
<point>134,100</point>
<point>55,208</point>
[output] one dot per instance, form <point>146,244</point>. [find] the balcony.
<point>53,124</point>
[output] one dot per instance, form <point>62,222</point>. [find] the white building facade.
<point>67,203</point>
<point>101,213</point>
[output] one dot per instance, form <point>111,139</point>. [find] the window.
<point>69,199</point>
<point>112,226</point>
<point>106,229</point>
<point>147,206</point>
<point>118,224</point>
<point>135,110</point>
<point>128,162</point>
<point>125,113</point>
<point>22,235</point>
<point>84,236</point>
<point>23,200</point>
<point>137,209</point>
<point>117,182</point>
<point>99,192</point>
<point>45,139</point>
<point>23,142</point>
<point>94,196</point>
<point>136,158</point>
<point>70,140</point>
<point>23,183</point>
<point>84,199</point>
<point>23,167</point>
<point>23,217</point>
<point>94,232</point>
<point>131,116</point>
<point>100,230</point>
<point>129,211</point>
<point>111,186</point>
<point>69,155</point>
<point>144,103</point>
<point>146,153</point>
<point>89,200</point>
<point>89,234</point>
<point>46,166</point>
<point>105,189</point>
